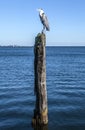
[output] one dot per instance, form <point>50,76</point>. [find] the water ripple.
<point>65,87</point>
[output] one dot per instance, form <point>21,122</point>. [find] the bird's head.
<point>40,11</point>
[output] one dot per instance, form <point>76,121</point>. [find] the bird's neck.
<point>41,13</point>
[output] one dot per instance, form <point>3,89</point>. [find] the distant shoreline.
<point>15,46</point>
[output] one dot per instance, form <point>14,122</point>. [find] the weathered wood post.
<point>41,109</point>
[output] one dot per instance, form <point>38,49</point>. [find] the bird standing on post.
<point>44,20</point>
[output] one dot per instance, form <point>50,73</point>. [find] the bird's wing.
<point>44,21</point>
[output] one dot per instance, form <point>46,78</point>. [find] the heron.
<point>44,20</point>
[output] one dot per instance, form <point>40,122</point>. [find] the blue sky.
<point>20,23</point>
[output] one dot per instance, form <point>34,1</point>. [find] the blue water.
<point>65,88</point>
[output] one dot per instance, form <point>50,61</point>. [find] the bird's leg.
<point>43,29</point>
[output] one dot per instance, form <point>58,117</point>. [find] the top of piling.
<point>40,39</point>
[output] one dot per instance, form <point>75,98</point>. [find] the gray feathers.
<point>44,20</point>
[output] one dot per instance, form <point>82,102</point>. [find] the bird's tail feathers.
<point>48,28</point>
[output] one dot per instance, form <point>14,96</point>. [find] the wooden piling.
<point>41,109</point>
